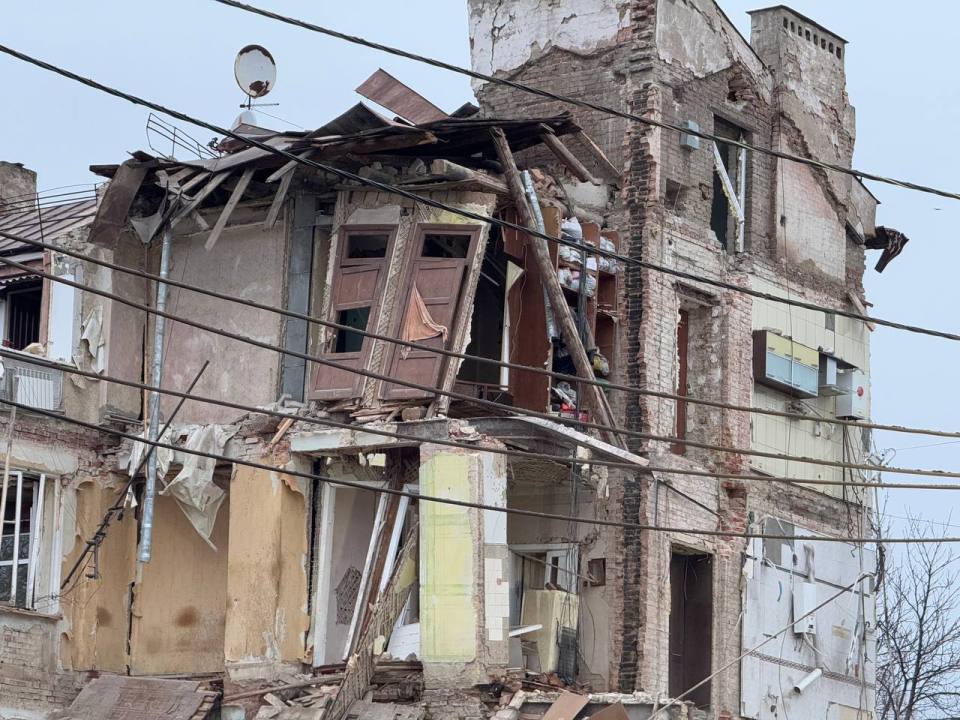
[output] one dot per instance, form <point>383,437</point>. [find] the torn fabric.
<point>418,324</point>
<point>193,488</point>
<point>91,339</point>
<point>164,455</point>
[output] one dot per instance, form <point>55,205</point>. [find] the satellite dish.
<point>255,70</point>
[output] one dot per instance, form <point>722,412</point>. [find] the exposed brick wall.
<point>677,233</point>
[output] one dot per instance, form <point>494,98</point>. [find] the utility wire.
<point>465,356</point>
<point>392,189</point>
<point>566,99</point>
<point>461,445</point>
<point>342,482</point>
<point>433,390</point>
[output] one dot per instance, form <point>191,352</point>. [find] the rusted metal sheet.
<point>45,223</point>
<point>115,207</point>
<point>386,90</point>
<point>113,697</point>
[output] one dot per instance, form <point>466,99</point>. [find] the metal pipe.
<point>146,537</point>
<point>541,227</point>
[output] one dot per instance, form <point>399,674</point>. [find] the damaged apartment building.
<point>420,351</point>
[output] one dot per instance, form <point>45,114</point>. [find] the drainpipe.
<point>146,537</point>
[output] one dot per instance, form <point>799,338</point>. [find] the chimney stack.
<point>17,183</point>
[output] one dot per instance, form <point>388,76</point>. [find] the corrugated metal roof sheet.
<point>45,223</point>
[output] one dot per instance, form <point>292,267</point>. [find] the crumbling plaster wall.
<point>35,658</point>
<point>248,262</point>
<point>266,581</point>
<point>506,34</point>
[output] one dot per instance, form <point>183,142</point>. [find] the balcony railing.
<point>31,384</point>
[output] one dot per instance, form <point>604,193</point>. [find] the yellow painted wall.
<point>448,618</point>
<point>94,636</point>
<point>266,577</point>
<point>179,607</point>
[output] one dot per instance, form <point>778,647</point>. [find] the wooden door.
<point>358,283</point>
<point>431,301</point>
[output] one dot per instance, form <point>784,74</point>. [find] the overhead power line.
<point>567,100</point>
<point>392,189</point>
<point>463,445</point>
<point>342,482</point>
<point>478,358</point>
<point>433,390</point>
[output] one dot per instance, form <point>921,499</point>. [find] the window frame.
<point>17,479</point>
<point>355,359</point>
<point>415,261</point>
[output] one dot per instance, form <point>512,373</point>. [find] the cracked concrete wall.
<point>506,34</point>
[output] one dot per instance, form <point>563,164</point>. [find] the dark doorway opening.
<point>691,625</point>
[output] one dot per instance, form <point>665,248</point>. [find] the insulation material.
<point>92,341</point>
<point>837,639</point>
<point>193,487</point>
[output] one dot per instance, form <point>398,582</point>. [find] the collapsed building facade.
<point>268,565</point>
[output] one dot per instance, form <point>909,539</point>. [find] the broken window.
<point>488,327</point>
<point>691,625</point>
<point>21,321</point>
<point>20,540</point>
<point>440,257</point>
<point>727,218</point>
<point>358,282</point>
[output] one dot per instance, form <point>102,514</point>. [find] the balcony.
<point>26,382</point>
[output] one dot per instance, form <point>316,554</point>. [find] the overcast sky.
<point>900,77</point>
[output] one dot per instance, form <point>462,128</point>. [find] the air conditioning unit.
<point>786,365</point>
<point>853,404</point>
<point>830,369</point>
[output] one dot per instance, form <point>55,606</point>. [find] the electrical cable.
<point>559,459</point>
<point>566,99</point>
<point>465,356</point>
<point>462,396</point>
<point>343,482</point>
<point>392,189</point>
<point>754,649</point>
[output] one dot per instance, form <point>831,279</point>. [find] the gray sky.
<point>180,53</point>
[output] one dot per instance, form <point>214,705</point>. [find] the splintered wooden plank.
<point>289,167</point>
<point>212,185</point>
<point>228,209</point>
<point>278,199</point>
<point>194,181</point>
<point>602,160</point>
<point>386,90</point>
<point>563,154</point>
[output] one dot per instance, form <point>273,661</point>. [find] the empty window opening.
<point>691,625</point>
<point>807,34</point>
<point>487,335</point>
<point>361,246</point>
<point>683,342</point>
<point>786,23</point>
<point>729,187</point>
<point>793,26</point>
<point>839,53</point>
<point>22,322</point>
<point>348,341</point>
<point>436,245</point>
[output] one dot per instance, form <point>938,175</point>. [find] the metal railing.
<point>30,384</point>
